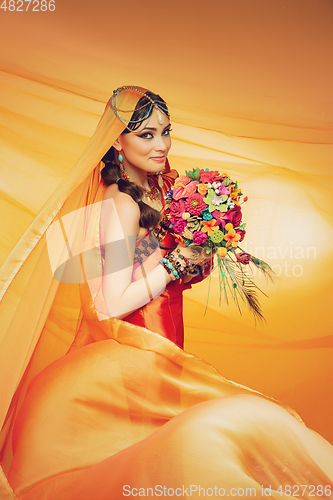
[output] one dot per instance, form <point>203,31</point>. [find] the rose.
<point>234,215</point>
<point>202,189</point>
<point>241,232</point>
<point>243,258</point>
<point>199,237</point>
<point>177,208</point>
<point>179,225</point>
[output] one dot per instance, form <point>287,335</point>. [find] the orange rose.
<point>202,189</point>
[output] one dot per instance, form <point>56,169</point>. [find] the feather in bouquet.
<point>203,210</point>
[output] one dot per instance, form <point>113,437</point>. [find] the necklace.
<point>150,196</point>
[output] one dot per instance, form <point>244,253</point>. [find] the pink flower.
<point>234,215</point>
<point>184,189</point>
<point>199,237</point>
<point>195,204</point>
<point>221,217</point>
<point>210,176</point>
<point>183,180</point>
<point>177,208</point>
<point>222,190</point>
<point>179,226</point>
<point>243,258</point>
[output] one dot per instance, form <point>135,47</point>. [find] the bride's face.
<point>147,147</point>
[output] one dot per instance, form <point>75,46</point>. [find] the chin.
<point>156,167</point>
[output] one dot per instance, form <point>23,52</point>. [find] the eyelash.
<point>148,133</point>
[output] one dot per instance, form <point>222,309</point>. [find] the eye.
<point>149,135</point>
<point>146,135</point>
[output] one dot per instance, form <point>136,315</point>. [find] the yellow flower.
<point>186,215</point>
<point>232,237</point>
<point>222,251</point>
<point>234,193</point>
<point>209,226</point>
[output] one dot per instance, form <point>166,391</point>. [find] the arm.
<point>120,294</point>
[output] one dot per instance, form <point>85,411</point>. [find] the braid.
<point>149,217</point>
<point>111,174</point>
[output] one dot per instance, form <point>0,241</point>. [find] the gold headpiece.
<point>157,104</point>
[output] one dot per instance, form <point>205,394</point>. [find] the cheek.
<point>143,147</point>
<point>168,143</point>
<point>136,148</point>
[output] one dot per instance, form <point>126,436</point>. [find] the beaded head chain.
<point>157,104</point>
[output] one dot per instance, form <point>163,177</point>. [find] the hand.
<point>195,257</point>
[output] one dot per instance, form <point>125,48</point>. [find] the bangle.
<point>169,268</point>
<point>175,267</point>
<point>187,266</point>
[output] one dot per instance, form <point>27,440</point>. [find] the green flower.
<point>193,174</point>
<point>194,223</point>
<point>227,181</point>
<point>217,236</point>
<point>209,201</point>
<point>187,233</point>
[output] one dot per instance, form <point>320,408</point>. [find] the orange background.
<point>249,86</point>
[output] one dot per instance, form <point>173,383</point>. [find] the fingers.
<point>197,256</point>
<point>204,256</point>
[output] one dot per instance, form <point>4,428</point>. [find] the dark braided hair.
<point>149,217</point>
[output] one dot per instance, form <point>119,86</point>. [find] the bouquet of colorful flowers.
<point>203,211</point>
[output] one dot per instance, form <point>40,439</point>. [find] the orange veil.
<point>32,300</point>
<point>40,317</point>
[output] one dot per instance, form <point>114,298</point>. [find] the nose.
<point>161,143</point>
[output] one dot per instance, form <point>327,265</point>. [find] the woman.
<point>141,150</point>
<point>126,412</point>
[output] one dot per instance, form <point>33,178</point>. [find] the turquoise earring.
<point>120,157</point>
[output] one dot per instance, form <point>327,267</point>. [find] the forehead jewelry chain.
<point>160,117</point>
<point>158,105</point>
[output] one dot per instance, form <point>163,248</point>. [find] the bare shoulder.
<point>120,198</point>
<point>127,209</point>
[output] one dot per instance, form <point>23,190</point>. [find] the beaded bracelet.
<point>175,268</point>
<point>169,267</point>
<point>172,266</point>
<point>191,269</point>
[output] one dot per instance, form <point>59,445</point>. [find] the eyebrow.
<point>154,129</point>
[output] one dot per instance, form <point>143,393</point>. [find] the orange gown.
<point>127,413</point>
